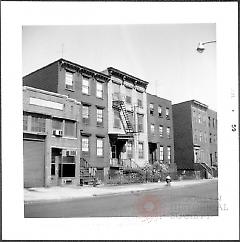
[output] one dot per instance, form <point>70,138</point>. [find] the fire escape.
<point>119,104</point>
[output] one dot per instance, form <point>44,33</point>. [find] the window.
<point>99,117</point>
<point>210,138</point>
<point>116,91</point>
<point>200,136</point>
<point>159,111</point>
<point>199,118</point>
<point>161,153</point>
<point>99,89</point>
<point>70,128</point>
<point>116,122</point>
<point>99,146</point>
<point>167,113</point>
<point>25,122</point>
<point>169,153</point>
<point>69,80</point>
<point>213,122</point>
<point>37,124</point>
<point>67,167</point>
<point>140,99</point>
<point>209,122</point>
<point>161,131</point>
<point>140,123</point>
<point>57,124</point>
<point>129,149</point>
<point>85,145</point>
<point>85,85</point>
<point>195,136</point>
<point>152,129</point>
<point>140,150</point>
<point>205,137</point>
<point>151,108</point>
<point>194,115</point>
<point>85,114</point>
<point>168,133</point>
<point>128,95</point>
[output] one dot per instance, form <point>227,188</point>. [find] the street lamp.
<point>201,46</point>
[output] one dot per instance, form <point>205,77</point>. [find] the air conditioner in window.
<point>57,132</point>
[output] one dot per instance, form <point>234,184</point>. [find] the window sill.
<point>87,94</point>
<point>34,132</point>
<point>66,137</point>
<point>101,98</point>
<point>71,90</point>
<point>100,126</point>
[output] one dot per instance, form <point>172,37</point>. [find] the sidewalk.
<point>58,193</point>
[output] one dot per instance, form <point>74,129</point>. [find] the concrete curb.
<point>162,186</point>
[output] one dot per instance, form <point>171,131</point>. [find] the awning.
<point>121,136</point>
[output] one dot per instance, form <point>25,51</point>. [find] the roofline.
<point>159,97</point>
<point>27,88</point>
<point>195,102</point>
<point>71,63</point>
<point>126,74</point>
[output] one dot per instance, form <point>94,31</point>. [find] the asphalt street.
<point>190,200</point>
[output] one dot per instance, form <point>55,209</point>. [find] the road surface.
<point>191,200</point>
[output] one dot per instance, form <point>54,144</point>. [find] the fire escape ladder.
<point>125,118</point>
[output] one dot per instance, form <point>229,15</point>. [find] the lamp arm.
<point>209,42</point>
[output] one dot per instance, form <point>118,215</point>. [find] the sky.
<point>162,54</point>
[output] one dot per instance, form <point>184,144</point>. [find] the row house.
<point>90,88</point>
<point>160,130</point>
<point>192,137</point>
<point>127,120</point>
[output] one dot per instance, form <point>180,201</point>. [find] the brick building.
<point>127,120</point>
<point>191,137</point>
<point>160,130</point>
<point>90,88</point>
<point>212,126</point>
<point>51,143</point>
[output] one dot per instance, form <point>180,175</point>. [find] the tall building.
<point>51,141</point>
<point>127,120</point>
<point>160,130</point>
<point>90,88</point>
<point>191,137</point>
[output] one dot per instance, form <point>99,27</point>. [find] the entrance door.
<point>55,161</point>
<point>196,156</point>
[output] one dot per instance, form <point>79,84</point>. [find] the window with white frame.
<point>128,95</point>
<point>159,111</point>
<point>140,150</point>
<point>85,145</point>
<point>161,155</point>
<point>140,122</point>
<point>168,132</point>
<point>151,108</point>
<point>199,118</point>
<point>85,85</point>
<point>116,91</point>
<point>69,80</point>
<point>169,153</point>
<point>167,113</point>
<point>140,99</point>
<point>200,136</point>
<point>99,116</point>
<point>116,120</point>
<point>85,114</point>
<point>161,131</point>
<point>152,127</point>
<point>99,146</point>
<point>99,90</point>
